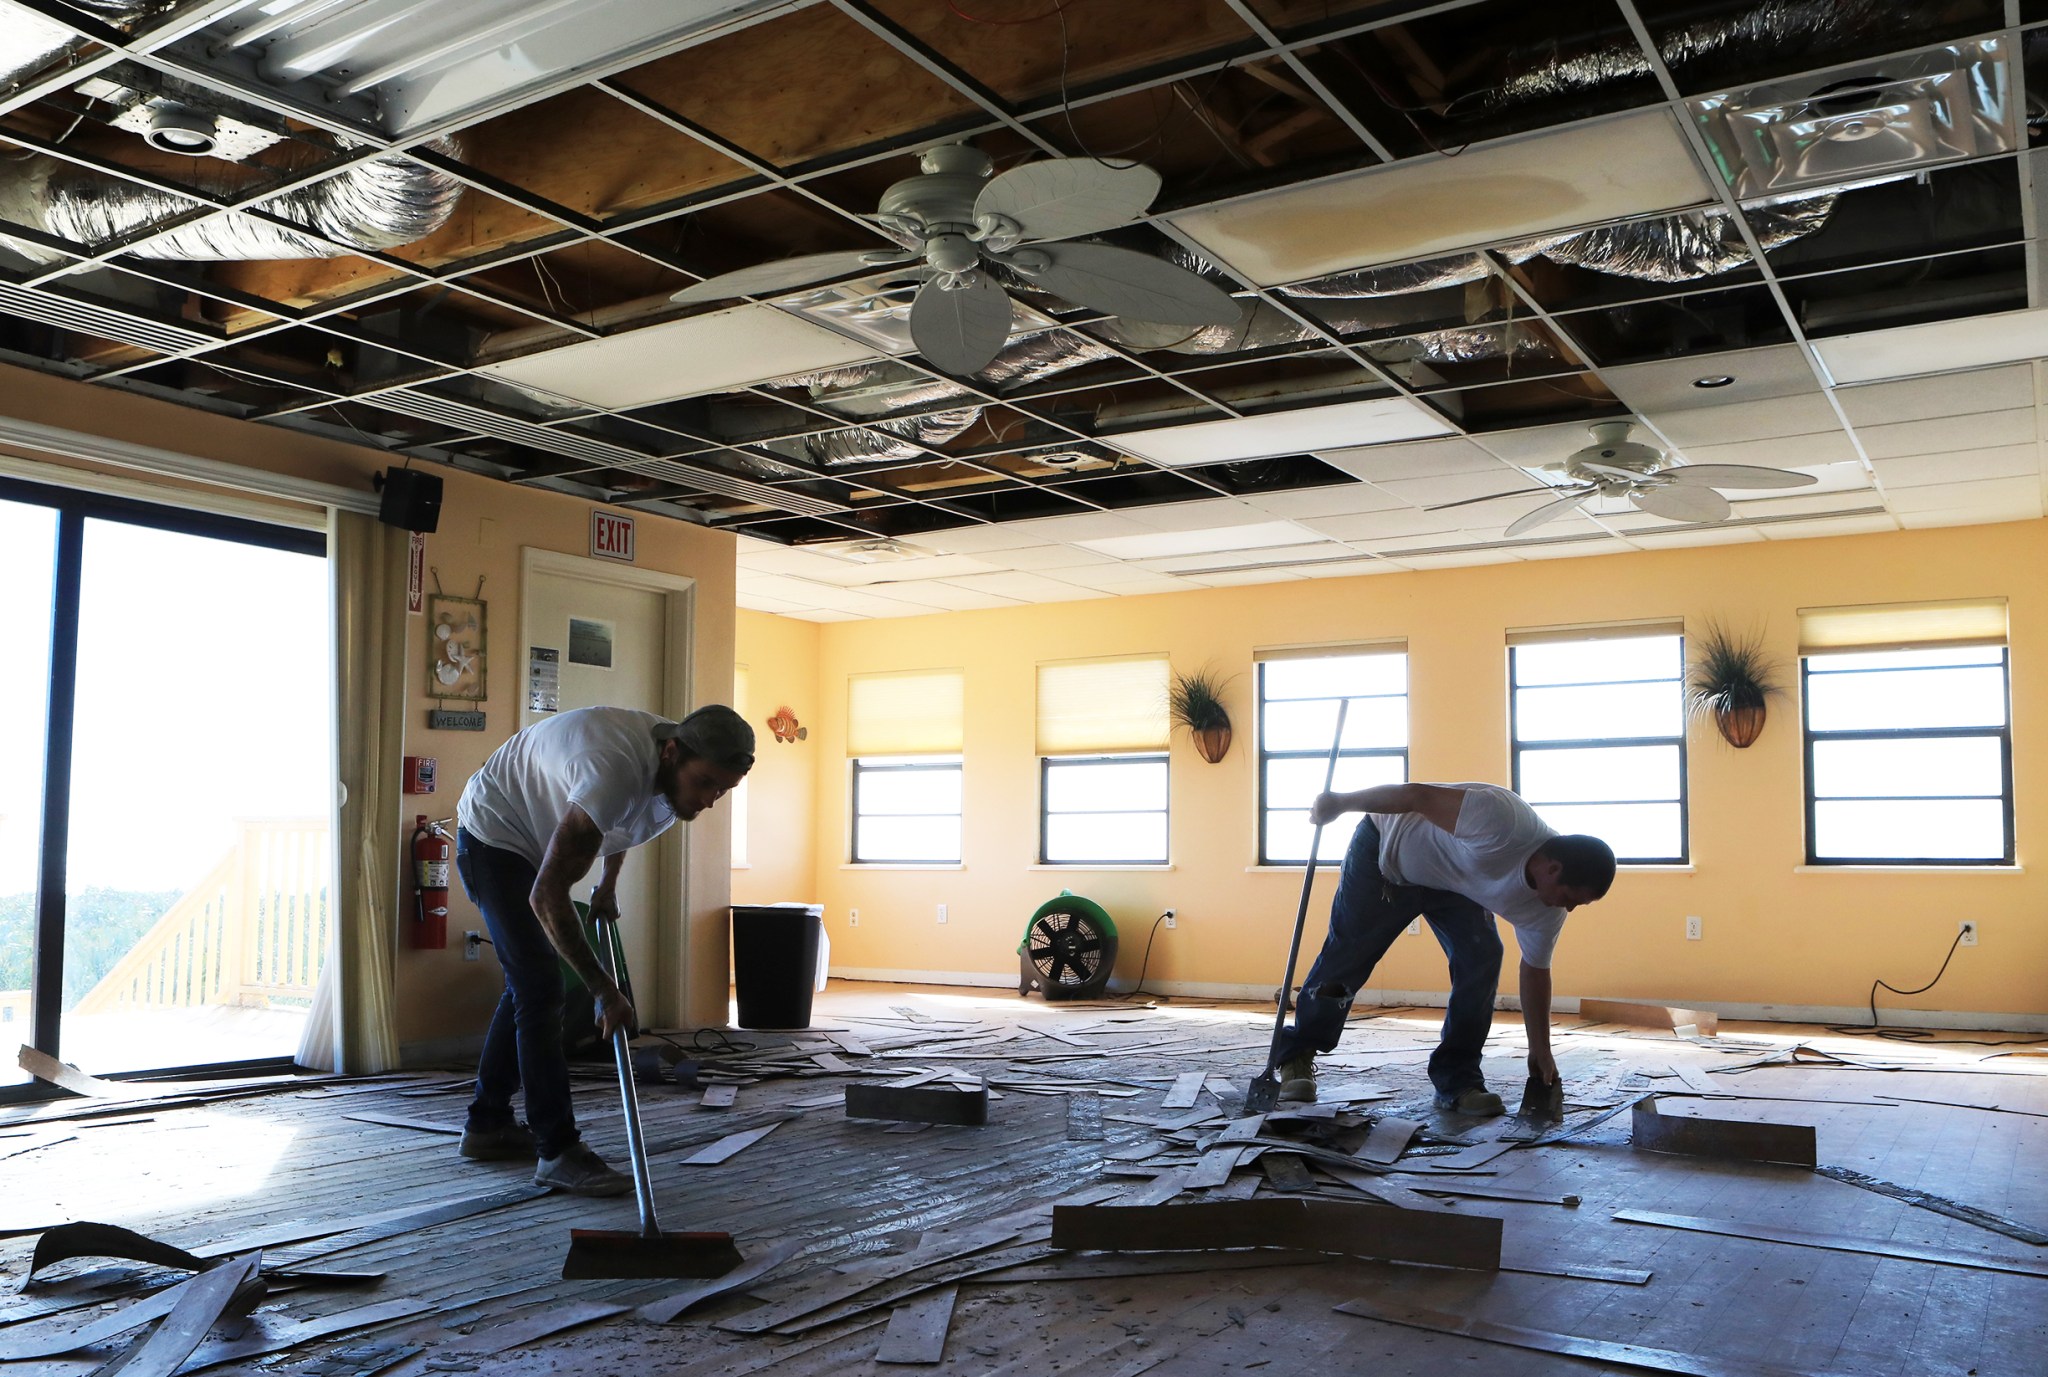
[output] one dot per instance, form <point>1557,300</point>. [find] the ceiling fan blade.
<point>785,273</point>
<point>1514,492</point>
<point>1061,197</point>
<point>959,331</point>
<point>1675,503</point>
<point>1736,476</point>
<point>1549,511</point>
<point>1119,282</point>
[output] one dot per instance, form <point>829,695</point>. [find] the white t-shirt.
<point>1497,833</point>
<point>602,760</point>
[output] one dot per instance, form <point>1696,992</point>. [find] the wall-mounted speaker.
<point>411,499</point>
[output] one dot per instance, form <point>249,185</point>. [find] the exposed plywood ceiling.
<point>1492,221</point>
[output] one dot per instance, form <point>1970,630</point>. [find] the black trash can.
<point>775,962</point>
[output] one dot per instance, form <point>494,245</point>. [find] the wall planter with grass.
<point>1731,680</point>
<point>1195,700</point>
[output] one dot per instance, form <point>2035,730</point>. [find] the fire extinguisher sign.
<point>611,537</point>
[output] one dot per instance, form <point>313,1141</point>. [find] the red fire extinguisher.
<point>431,850</point>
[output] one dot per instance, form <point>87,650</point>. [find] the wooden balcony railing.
<point>252,932</point>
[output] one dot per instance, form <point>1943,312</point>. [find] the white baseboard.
<point>1823,1014</point>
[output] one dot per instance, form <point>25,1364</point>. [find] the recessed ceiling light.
<point>1714,380</point>
<point>1513,189</point>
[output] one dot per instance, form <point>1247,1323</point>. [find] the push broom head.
<point>621,1253</point>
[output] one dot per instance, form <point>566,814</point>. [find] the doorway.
<point>165,782</point>
<point>619,636</point>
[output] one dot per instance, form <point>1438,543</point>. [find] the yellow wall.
<point>781,656</point>
<point>1774,936</point>
<point>483,526</point>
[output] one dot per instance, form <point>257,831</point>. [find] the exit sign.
<point>611,537</point>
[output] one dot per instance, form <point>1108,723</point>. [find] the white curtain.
<point>351,1026</point>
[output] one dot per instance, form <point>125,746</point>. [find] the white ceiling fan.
<point>958,219</point>
<point>1615,466</point>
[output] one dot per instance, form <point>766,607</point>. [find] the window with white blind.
<point>1102,736</point>
<point>1598,721</point>
<point>904,733</point>
<point>1908,733</point>
<point>1299,693</point>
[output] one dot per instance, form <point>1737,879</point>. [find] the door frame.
<point>671,857</point>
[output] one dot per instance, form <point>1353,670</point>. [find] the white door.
<point>612,648</point>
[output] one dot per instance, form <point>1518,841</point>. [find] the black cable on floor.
<point>1146,964</point>
<point>1919,1034</point>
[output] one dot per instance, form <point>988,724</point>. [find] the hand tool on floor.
<point>650,1252</point>
<point>1542,1101</point>
<point>1264,1092</point>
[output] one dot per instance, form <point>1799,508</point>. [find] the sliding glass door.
<point>181,904</point>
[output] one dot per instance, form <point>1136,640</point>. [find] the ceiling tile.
<point>1082,526</point>
<point>1462,560</point>
<point>1667,385</point>
<point>1674,537</point>
<point>973,540</point>
<point>684,358</point>
<point>1043,557</point>
<point>1195,565</point>
<point>1909,351</point>
<point>947,598</point>
<point>1836,526</point>
<point>2019,496</point>
<point>1334,501</point>
<point>1378,526</point>
<point>1202,541</point>
<point>1767,419</point>
<point>1960,466</point>
<point>1375,462</point>
<point>1348,568</point>
<point>1116,578</point>
<point>1513,189</point>
<point>847,574</point>
<point>1456,487</point>
<point>1301,431</point>
<point>1951,394</point>
<point>1025,587</point>
<point>1210,514</point>
<point>1241,577</point>
<point>1781,452</point>
<point>1985,430</point>
<point>1540,445</point>
<point>819,614</point>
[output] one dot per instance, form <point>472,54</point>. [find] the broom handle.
<point>636,1148</point>
<point>1308,880</point>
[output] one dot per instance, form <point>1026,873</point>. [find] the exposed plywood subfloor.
<point>858,1191</point>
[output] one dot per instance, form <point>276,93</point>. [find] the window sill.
<point>1657,869</point>
<point>1909,870</point>
<point>900,865</point>
<point>1084,865</point>
<point>1294,869</point>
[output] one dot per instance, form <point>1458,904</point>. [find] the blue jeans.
<point>524,1044</point>
<point>1365,918</point>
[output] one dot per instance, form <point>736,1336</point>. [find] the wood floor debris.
<point>1068,1187</point>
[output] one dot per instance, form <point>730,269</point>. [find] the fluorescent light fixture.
<point>419,65</point>
<point>1312,428</point>
<point>1904,112</point>
<point>1946,346</point>
<point>1208,541</point>
<point>1517,188</point>
<point>683,358</point>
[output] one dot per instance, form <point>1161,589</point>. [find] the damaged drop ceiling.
<point>1798,234</point>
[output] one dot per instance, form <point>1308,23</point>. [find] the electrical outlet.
<point>1968,927</point>
<point>1692,928</point>
<point>1414,927</point>
<point>942,913</point>
<point>853,917</point>
<point>472,943</point>
<point>1172,919</point>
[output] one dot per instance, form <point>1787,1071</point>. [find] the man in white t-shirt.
<point>1455,855</point>
<point>566,793</point>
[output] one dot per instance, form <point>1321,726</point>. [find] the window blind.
<point>914,712</point>
<point>1102,706</point>
<point>1902,625</point>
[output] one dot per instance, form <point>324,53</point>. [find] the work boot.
<point>580,1171</point>
<point>1298,1079</point>
<point>1475,1100</point>
<point>511,1142</point>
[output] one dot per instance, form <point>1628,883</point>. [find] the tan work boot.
<point>1475,1100</point>
<point>580,1171</point>
<point>1298,1079</point>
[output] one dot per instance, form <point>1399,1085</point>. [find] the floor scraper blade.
<point>619,1253</point>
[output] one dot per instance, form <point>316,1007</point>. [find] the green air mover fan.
<point>1068,951</point>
